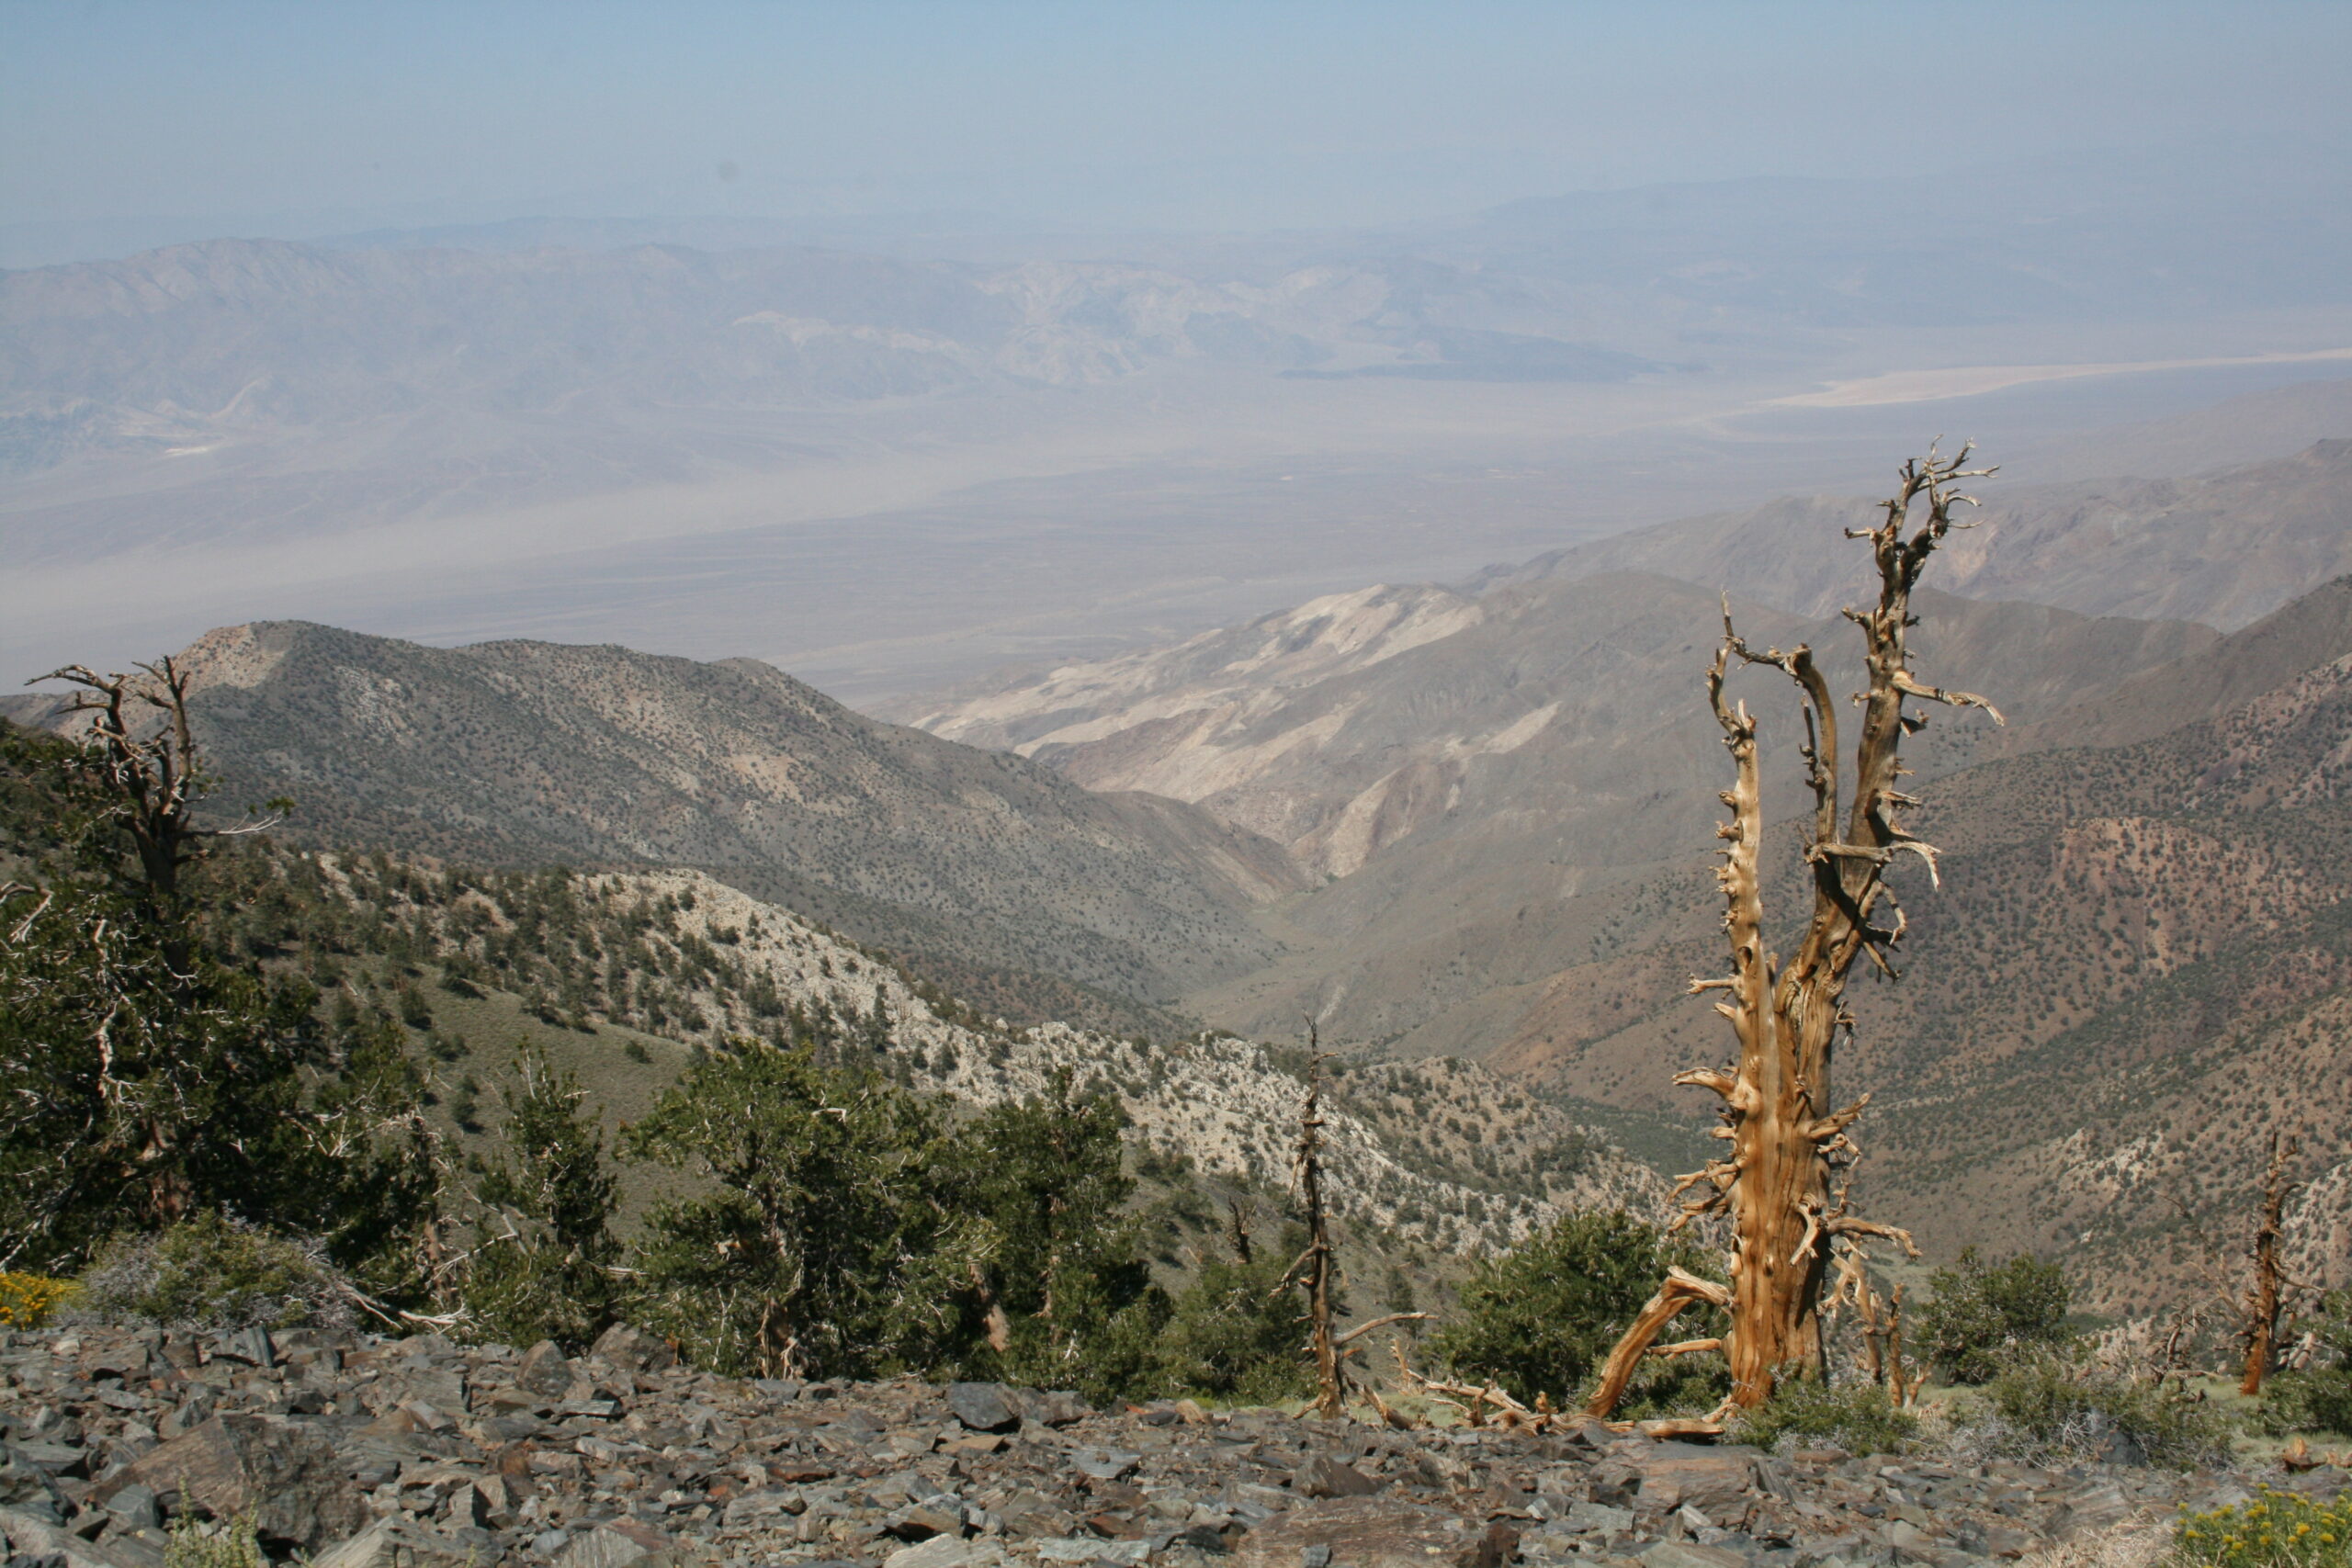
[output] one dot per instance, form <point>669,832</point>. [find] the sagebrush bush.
<point>26,1301</point>
<point>232,1543</point>
<point>2050,1409</point>
<point>1857,1418</point>
<point>2278,1529</point>
<point>211,1271</point>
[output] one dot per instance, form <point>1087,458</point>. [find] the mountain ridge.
<point>2225,547</point>
<point>523,753</point>
<point>1454,766</point>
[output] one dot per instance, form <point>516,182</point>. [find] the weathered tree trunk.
<point>1788,1145</point>
<point>1331,1398</point>
<point>2263,1299</point>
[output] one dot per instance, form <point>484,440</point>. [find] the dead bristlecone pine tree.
<point>1781,1183</point>
<point>2266,1295</point>
<point>1314,1268</point>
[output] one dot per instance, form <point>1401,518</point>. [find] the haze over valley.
<point>1046,443</point>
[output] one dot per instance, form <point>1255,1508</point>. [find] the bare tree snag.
<point>1903,1387</point>
<point>1879,1319</point>
<point>1313,1269</point>
<point>1787,1137</point>
<point>1238,1212</point>
<point>2263,1299</point>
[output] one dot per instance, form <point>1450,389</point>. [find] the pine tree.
<point>832,1244</point>
<point>542,1266</point>
<point>1066,1293</point>
<point>154,1071</point>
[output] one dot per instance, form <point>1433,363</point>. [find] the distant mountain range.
<point>230,338</point>
<point>2225,547</point>
<point>2133,971</point>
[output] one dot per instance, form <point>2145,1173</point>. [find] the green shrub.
<point>2048,1408</point>
<point>1983,1317</point>
<point>1541,1319</point>
<point>826,1238</point>
<point>1857,1418</point>
<point>1066,1265</point>
<point>1237,1335</point>
<point>2319,1397</point>
<point>2278,1529</point>
<point>212,1271</point>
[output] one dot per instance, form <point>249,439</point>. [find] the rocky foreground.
<point>361,1452</point>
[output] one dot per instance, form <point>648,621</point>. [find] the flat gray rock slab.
<point>1104,1464</point>
<point>395,1543</point>
<point>946,1551</point>
<point>982,1406</point>
<point>1367,1532</point>
<point>1682,1554</point>
<point>617,1544</point>
<point>1087,1548</point>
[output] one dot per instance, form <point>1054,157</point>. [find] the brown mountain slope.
<point>521,752</point>
<point>2205,683</point>
<point>1456,766</point>
<point>2139,965</point>
<point>2225,547</point>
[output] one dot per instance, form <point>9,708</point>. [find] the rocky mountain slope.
<point>361,1450</point>
<point>522,753</point>
<point>2224,548</point>
<point>2137,969</point>
<point>1455,764</point>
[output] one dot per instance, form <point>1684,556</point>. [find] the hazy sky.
<point>1170,112</point>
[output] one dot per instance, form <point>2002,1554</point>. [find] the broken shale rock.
<point>396,1543</point>
<point>288,1482</point>
<point>1323,1476</point>
<point>1367,1533</point>
<point>438,1454</point>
